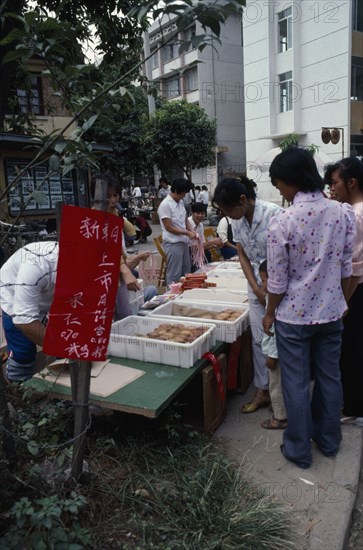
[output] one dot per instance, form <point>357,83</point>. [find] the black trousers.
<point>351,360</point>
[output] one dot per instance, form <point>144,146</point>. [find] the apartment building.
<point>212,78</point>
<point>17,149</point>
<point>303,71</point>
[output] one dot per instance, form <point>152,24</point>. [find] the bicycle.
<point>15,236</point>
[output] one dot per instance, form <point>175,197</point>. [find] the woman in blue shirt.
<point>250,219</point>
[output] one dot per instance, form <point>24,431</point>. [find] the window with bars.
<point>172,87</point>
<point>356,93</point>
<point>191,80</point>
<point>31,99</point>
<point>285,89</point>
<point>285,30</point>
<point>357,13</point>
<point>171,51</point>
<point>188,34</point>
<point>154,60</point>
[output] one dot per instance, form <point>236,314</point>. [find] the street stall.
<point>199,338</point>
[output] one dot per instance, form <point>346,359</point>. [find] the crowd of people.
<point>304,268</point>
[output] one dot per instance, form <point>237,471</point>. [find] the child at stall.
<point>269,348</point>
<point>196,222</point>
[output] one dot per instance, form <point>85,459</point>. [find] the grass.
<point>179,493</point>
<point>156,485</point>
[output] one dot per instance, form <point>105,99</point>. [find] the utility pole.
<point>150,97</point>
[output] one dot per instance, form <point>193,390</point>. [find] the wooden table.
<point>148,396</point>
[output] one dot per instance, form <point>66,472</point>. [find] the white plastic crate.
<point>224,272</point>
<point>124,343</point>
<point>229,265</point>
<point>227,331</point>
<point>216,295</point>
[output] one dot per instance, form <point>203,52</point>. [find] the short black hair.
<point>262,268</point>
<point>228,191</point>
<point>198,207</point>
<point>181,185</point>
<point>349,168</point>
<point>163,179</point>
<point>296,166</point>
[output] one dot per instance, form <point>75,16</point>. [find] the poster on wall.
<point>53,187</point>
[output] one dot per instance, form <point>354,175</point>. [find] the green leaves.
<point>41,199</point>
<point>180,134</point>
<point>40,524</point>
<point>33,448</point>
<point>89,123</point>
<point>14,34</point>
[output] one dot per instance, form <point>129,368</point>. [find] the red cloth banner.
<point>87,278</point>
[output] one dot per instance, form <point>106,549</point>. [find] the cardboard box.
<point>200,404</point>
<point>245,367</point>
<point>214,409</point>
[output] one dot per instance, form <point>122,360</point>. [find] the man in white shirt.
<point>204,196</point>
<point>224,231</point>
<point>189,199</point>
<point>27,282</point>
<point>136,192</point>
<point>176,231</point>
<point>164,188</point>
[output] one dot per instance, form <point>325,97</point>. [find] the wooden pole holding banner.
<point>81,376</point>
<point>80,371</point>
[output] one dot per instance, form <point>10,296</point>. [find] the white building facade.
<point>212,79</point>
<point>303,70</point>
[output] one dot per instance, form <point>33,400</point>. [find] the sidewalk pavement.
<point>321,498</point>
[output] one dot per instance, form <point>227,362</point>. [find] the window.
<point>356,146</point>
<point>172,88</point>
<point>154,60</point>
<point>285,89</point>
<point>357,79</point>
<point>357,15</point>
<point>191,80</point>
<point>189,33</point>
<point>285,30</point>
<point>53,187</point>
<point>171,51</point>
<point>30,100</point>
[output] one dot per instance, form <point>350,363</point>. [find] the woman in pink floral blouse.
<point>310,248</point>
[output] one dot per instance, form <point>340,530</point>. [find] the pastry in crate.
<point>181,334</point>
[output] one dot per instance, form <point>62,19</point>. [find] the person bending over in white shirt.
<point>27,282</point>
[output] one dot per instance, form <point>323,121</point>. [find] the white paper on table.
<point>110,378</point>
